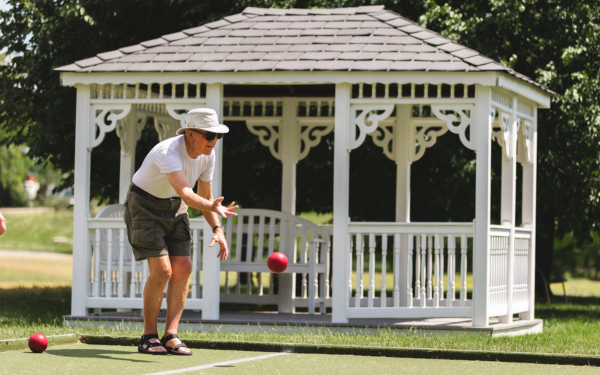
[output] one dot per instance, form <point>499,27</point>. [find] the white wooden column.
<point>529,218</point>
<point>508,207</point>
<point>481,252</point>
<point>81,209</point>
<point>403,150</point>
<point>211,267</point>
<point>288,146</point>
<point>341,201</point>
<point>288,149</point>
<point>127,165</point>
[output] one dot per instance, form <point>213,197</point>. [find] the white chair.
<point>118,238</point>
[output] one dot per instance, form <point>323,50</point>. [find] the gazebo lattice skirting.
<point>363,270</point>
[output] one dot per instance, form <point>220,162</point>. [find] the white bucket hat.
<point>203,119</point>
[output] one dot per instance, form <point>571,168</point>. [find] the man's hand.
<point>222,210</point>
<point>220,238</point>
<point>2,224</point>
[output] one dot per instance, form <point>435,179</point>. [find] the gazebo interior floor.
<point>272,321</point>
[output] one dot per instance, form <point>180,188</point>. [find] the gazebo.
<point>294,76</point>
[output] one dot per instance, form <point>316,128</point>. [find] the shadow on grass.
<point>99,354</point>
<point>44,304</point>
<point>578,308</point>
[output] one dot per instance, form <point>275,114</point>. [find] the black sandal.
<point>175,350</point>
<point>146,345</point>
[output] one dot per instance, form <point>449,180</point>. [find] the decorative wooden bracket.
<point>105,119</point>
<point>139,121</point>
<point>363,113</point>
<point>525,131</point>
<point>311,134</point>
<point>464,119</point>
<point>426,133</point>
<point>383,137</point>
<point>268,133</point>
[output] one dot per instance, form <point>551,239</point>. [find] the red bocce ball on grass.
<point>277,262</point>
<point>38,343</point>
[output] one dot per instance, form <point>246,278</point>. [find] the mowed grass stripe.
<point>113,360</point>
<point>219,364</point>
<point>373,351</point>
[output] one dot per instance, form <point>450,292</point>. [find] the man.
<point>157,221</point>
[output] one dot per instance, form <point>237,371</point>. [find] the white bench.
<point>252,236</point>
<point>255,234</point>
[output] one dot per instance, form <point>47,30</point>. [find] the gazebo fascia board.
<point>493,79</point>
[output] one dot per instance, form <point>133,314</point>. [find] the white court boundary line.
<point>218,364</point>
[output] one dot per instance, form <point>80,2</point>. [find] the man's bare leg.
<point>160,273</point>
<point>177,292</point>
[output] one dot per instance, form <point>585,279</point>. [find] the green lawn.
<point>37,232</point>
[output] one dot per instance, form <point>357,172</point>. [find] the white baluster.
<point>359,270</point>
<point>185,90</point>
<point>125,86</point>
<point>137,91</point>
<point>409,271</point>
<point>451,294</point>
<point>374,91</point>
<point>441,268</point>
<point>417,270</point>
<point>412,90</point>
<point>133,276</point>
<point>100,91</point>
<point>351,242</point>
<point>387,91</point>
<point>173,91</point>
<point>112,90</point>
<point>426,91</point>
<point>121,262</point>
<point>198,95</point>
<point>195,259</point>
<point>397,273</point>
<point>108,285</point>
<point>423,244</point>
<point>451,91</point>
<point>439,90</point>
<point>371,293</point>
<point>463,269</point>
<point>161,91</point>
<point>383,270</point>
<point>226,282</point>
<point>399,90</point>
<point>360,90</point>
<point>429,267</point>
<point>465,91</point>
<point>149,91</point>
<point>97,263</point>
<point>436,294</point>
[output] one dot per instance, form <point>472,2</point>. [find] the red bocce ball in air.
<point>277,262</point>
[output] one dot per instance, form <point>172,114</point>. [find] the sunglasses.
<point>209,136</point>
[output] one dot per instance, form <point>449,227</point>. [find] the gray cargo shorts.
<point>156,227</point>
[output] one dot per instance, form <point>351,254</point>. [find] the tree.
<point>557,43</point>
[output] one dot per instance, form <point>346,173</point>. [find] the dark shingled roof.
<point>366,38</point>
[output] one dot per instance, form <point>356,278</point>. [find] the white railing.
<point>119,283</point>
<point>427,265</point>
<point>522,260</point>
<point>420,255</point>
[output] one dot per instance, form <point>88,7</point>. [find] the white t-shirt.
<point>169,156</point>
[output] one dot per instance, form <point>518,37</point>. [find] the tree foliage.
<point>555,42</point>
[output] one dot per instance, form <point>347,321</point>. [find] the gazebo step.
<point>301,322</point>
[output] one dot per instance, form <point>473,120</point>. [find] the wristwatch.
<point>217,227</point>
